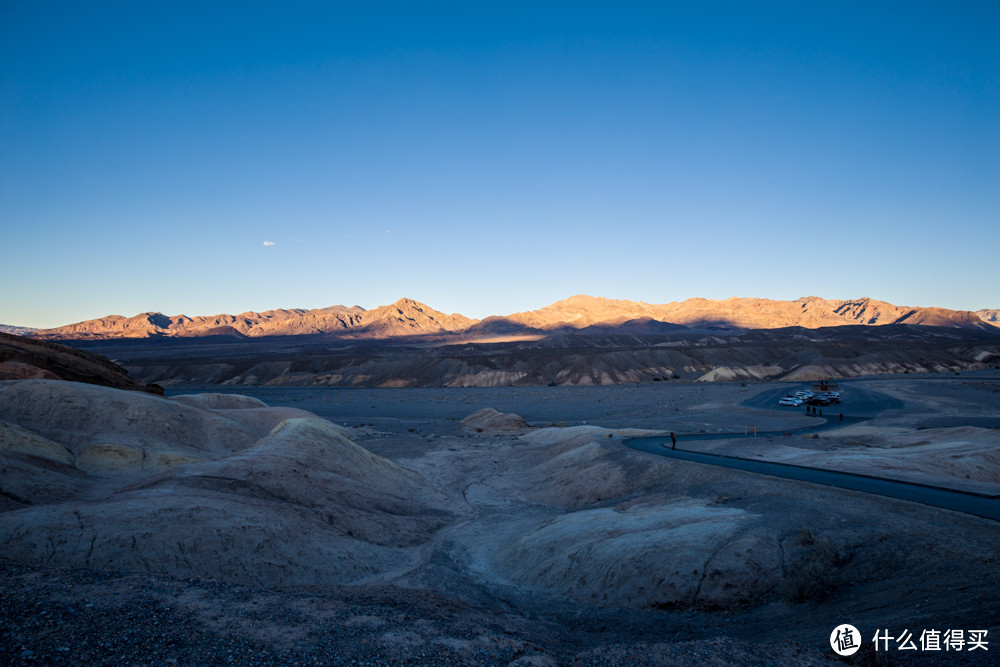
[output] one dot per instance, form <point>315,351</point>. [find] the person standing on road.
<point>673,440</point>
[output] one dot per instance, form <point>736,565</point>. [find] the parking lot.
<point>806,397</point>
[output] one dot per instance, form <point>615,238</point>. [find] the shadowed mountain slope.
<point>562,358</point>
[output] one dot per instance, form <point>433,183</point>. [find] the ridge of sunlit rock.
<point>408,317</point>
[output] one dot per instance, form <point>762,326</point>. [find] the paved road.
<point>861,404</point>
<point>968,502</point>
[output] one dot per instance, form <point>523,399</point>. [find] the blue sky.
<point>487,158</point>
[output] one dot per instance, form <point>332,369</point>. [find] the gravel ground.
<point>89,617</point>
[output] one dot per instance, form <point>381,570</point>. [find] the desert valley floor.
<point>418,526</point>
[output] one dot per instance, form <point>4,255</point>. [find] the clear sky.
<point>492,157</point>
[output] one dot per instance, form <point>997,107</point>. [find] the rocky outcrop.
<point>990,315</point>
<point>670,555</point>
<point>25,358</point>
<point>491,422</point>
<point>648,549</point>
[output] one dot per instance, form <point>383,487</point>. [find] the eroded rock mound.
<point>14,438</point>
<point>669,555</point>
<point>79,416</point>
<point>216,401</point>
<point>25,358</point>
<point>35,469</point>
<point>143,483</point>
<point>661,548</point>
<point>248,411</point>
<point>491,421</point>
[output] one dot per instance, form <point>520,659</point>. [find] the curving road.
<point>863,404</point>
<point>983,505</point>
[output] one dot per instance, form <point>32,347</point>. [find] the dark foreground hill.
<point>23,358</point>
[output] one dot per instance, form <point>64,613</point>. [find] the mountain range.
<point>578,314</point>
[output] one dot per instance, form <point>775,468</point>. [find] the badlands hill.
<point>24,358</point>
<point>575,358</point>
<point>584,314</point>
<point>210,529</point>
<point>206,485</point>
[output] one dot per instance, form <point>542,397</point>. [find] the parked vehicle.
<point>790,401</point>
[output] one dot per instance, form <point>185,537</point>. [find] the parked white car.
<point>791,401</point>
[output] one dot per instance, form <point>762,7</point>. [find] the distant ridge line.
<point>580,313</point>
